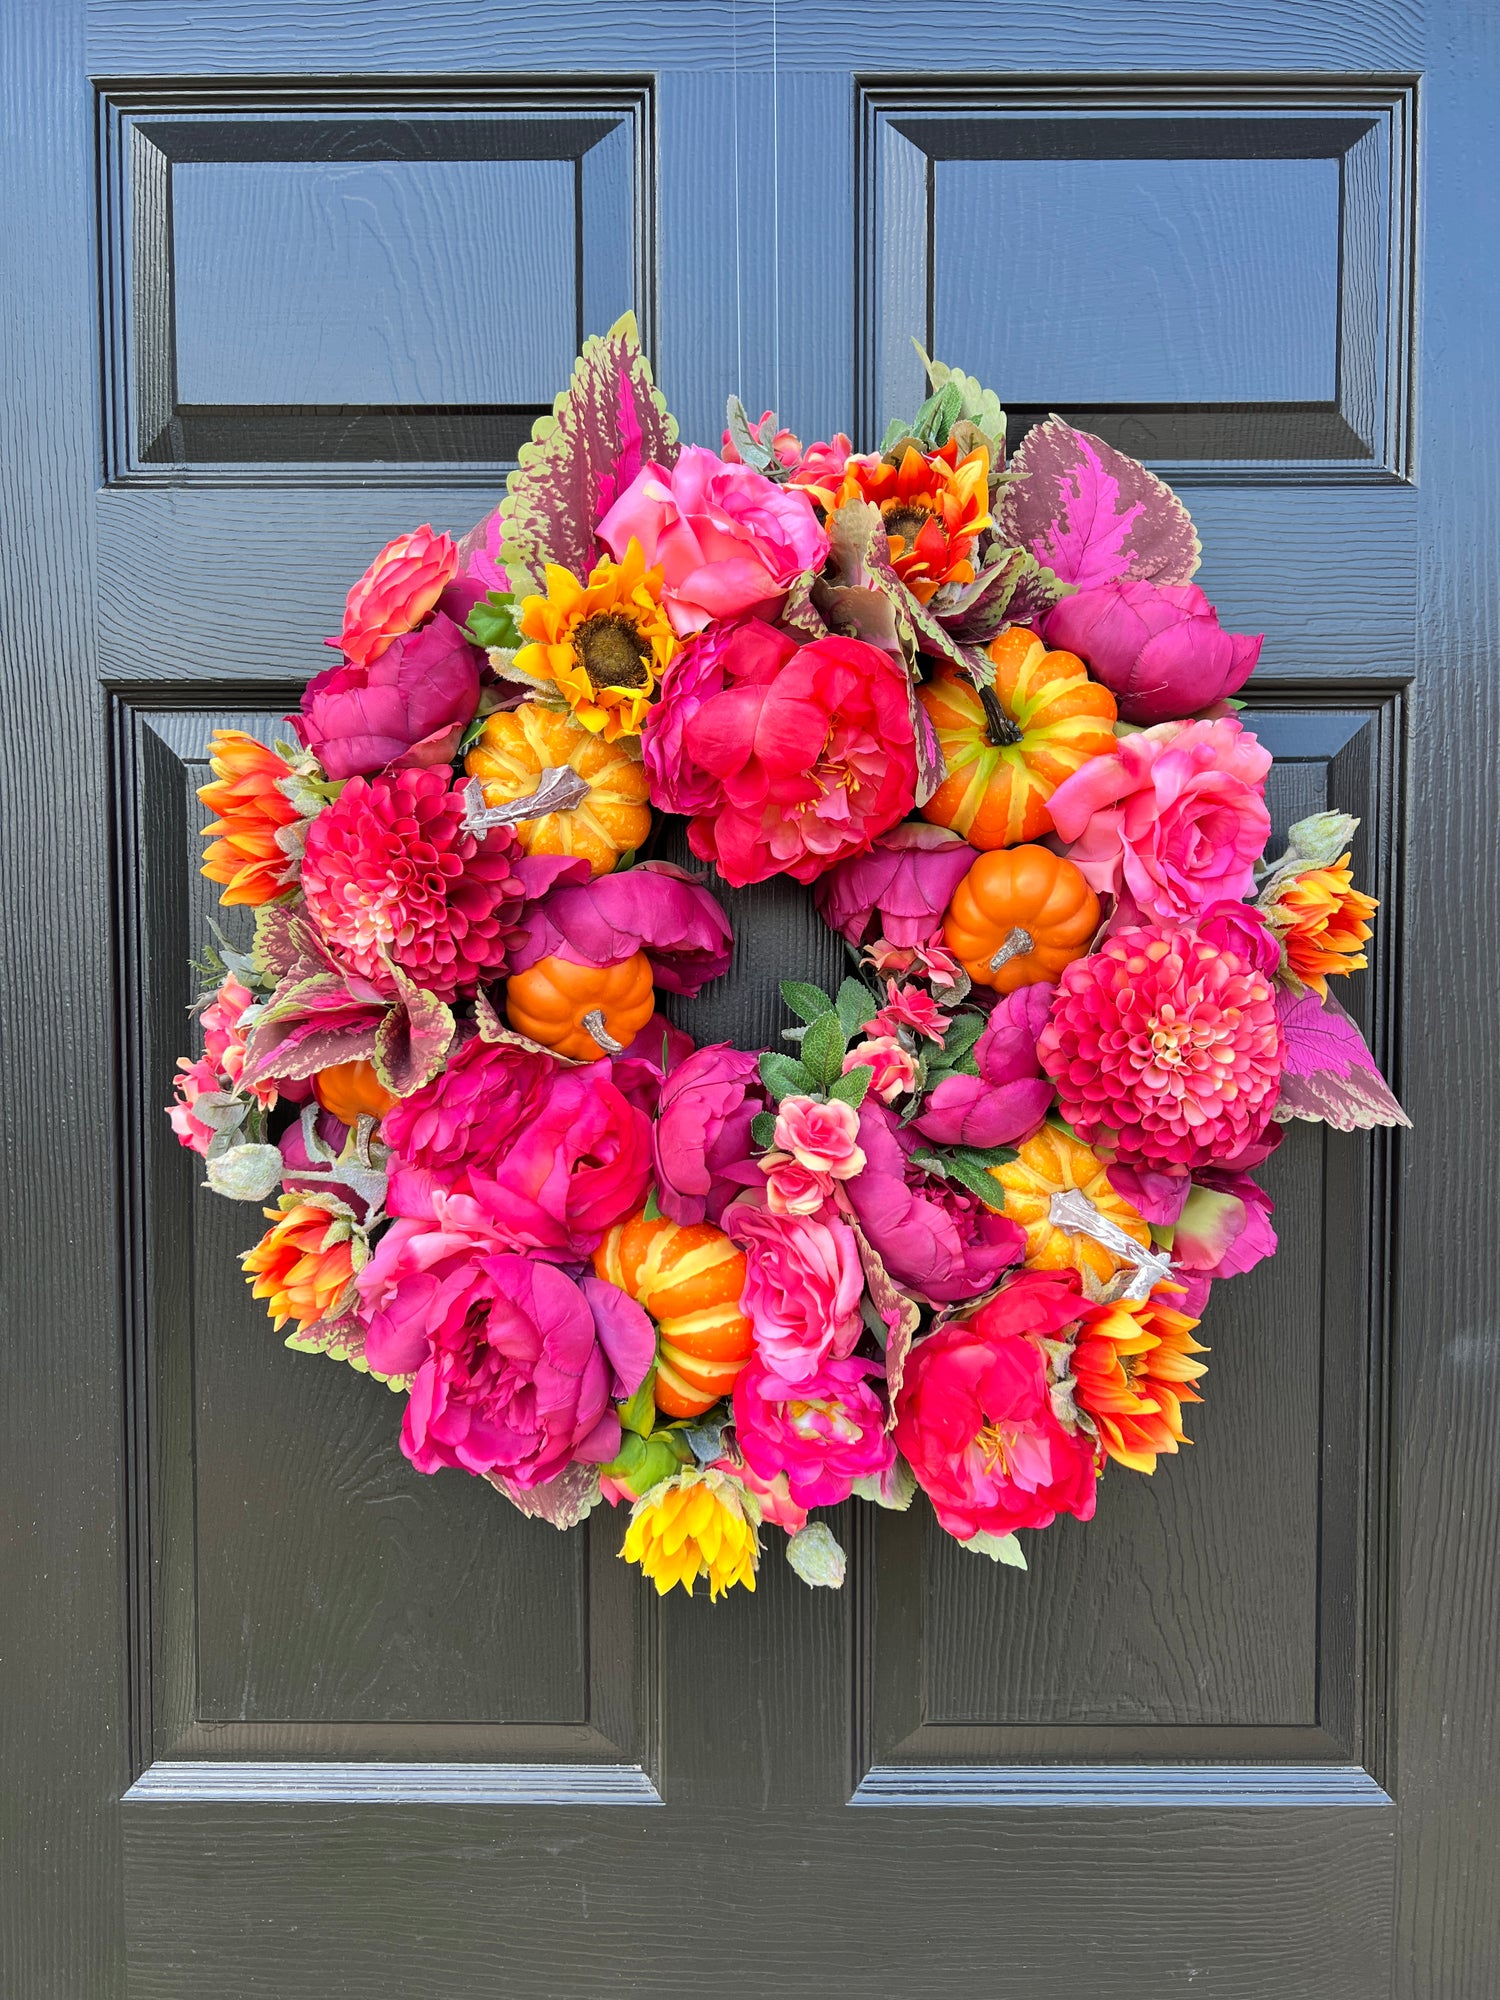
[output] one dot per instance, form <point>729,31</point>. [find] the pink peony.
<point>1240,928</point>
<point>467,1116</point>
<point>408,706</point>
<point>523,1368</point>
<point>1010,1097</point>
<point>933,1236</point>
<point>1165,1050</point>
<point>822,1432</point>
<point>790,757</point>
<point>1174,820</point>
<point>792,1189</point>
<point>899,889</point>
<point>824,1138</point>
<point>395,593</point>
<point>803,1281</point>
<point>1158,648</point>
<point>727,539</point>
<point>389,869</point>
<point>701,1142</point>
<point>656,908</point>
<point>975,1421</point>
<point>894,1066</point>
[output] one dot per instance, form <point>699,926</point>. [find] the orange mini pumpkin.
<point>351,1091</point>
<point>564,1006</point>
<point>1009,747</point>
<point>613,815</point>
<point>1051,1163</point>
<point>1019,916</point>
<point>689,1277</point>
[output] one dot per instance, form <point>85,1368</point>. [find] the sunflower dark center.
<point>613,653</point>
<point>907,522</point>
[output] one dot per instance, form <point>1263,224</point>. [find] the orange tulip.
<point>306,1261</point>
<point>251,809</point>
<point>1323,921</point>
<point>1134,1369</point>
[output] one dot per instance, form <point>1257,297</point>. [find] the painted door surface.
<point>289,276</point>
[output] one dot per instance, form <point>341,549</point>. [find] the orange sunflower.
<point>934,508</point>
<point>252,809</point>
<point>602,643</point>
<point>1323,921</point>
<point>1133,1370</point>
<point>305,1263</point>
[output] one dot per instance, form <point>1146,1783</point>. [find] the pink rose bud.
<point>821,1137</point>
<point>791,1188</point>
<point>895,1067</point>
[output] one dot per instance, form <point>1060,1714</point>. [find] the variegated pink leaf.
<point>1330,1076</point>
<point>1092,515</point>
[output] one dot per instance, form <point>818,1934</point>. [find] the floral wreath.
<point>959,1231</point>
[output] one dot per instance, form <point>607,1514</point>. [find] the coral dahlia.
<point>246,854</point>
<point>389,870</point>
<point>1165,1049</point>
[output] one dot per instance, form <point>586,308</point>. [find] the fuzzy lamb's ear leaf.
<point>1094,516</point>
<point>608,423</point>
<point>999,1548</point>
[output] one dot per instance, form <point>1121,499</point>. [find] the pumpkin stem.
<point>1001,729</point>
<point>593,1020</point>
<point>1017,944</point>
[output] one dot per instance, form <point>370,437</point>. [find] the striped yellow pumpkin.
<point>689,1277</point>
<point>517,745</point>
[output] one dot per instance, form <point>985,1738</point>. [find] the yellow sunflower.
<point>603,644</point>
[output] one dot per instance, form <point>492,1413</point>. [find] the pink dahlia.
<point>395,593</point>
<point>1165,1049</point>
<point>390,870</point>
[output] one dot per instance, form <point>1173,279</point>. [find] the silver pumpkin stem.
<point>593,1020</point>
<point>1019,943</point>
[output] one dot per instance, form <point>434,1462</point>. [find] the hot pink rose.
<point>1173,821</point>
<point>821,1137</point>
<point>727,539</point>
<point>1159,648</point>
<point>193,1080</point>
<point>701,1141</point>
<point>823,1432</point>
<point>1240,928</point>
<point>894,1066</point>
<point>974,1416</point>
<point>792,1189</point>
<point>900,888</point>
<point>408,706</point>
<point>396,593</point>
<point>802,1286</point>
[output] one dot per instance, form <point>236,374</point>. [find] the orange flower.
<point>1323,921</point>
<point>306,1261</point>
<point>934,509</point>
<point>1134,1369</point>
<point>251,811</point>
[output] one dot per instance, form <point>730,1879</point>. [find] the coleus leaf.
<point>564,1501</point>
<point>900,1315</point>
<point>1093,515</point>
<point>413,1039</point>
<point>860,553</point>
<point>608,423</point>
<point>1330,1076</point>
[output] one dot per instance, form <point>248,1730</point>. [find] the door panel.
<point>364,1727</point>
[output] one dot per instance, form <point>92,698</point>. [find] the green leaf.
<point>851,1087</point>
<point>980,406</point>
<point>984,1156</point>
<point>783,1075</point>
<point>746,440</point>
<point>823,1048</point>
<point>806,1002</point>
<point>492,621</point>
<point>639,1413</point>
<point>999,1548</point>
<point>963,1032</point>
<point>976,1179</point>
<point>763,1129</point>
<point>856,1005</point>
<point>653,1213</point>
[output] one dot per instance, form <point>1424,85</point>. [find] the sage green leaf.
<point>638,1414</point>
<point>806,1002</point>
<point>492,622</point>
<point>763,1129</point>
<point>823,1049</point>
<point>851,1087</point>
<point>783,1075</point>
<point>856,1005</point>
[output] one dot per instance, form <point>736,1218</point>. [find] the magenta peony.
<point>899,889</point>
<point>933,1236</point>
<point>701,1142</point>
<point>1010,1097</point>
<point>975,1421</point>
<point>823,1432</point>
<point>656,908</point>
<point>469,1113</point>
<point>389,869</point>
<point>824,1138</point>
<point>802,1287</point>
<point>790,757</point>
<point>1175,820</point>
<point>408,706</point>
<point>640,1070</point>
<point>1158,648</point>
<point>1166,1051</point>
<point>395,593</point>
<point>727,539</point>
<point>1239,928</point>
<point>524,1365</point>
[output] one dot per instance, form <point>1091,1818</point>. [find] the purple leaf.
<point>901,1315</point>
<point>1093,515</point>
<point>307,1025</point>
<point>1012,588</point>
<point>607,424</point>
<point>1330,1076</point>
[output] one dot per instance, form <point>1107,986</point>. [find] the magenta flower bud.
<point>407,707</point>
<point>701,1143</point>
<point>904,883</point>
<point>1158,648</point>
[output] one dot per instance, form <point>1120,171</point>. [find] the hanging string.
<point>739,270</point>
<point>775,213</point>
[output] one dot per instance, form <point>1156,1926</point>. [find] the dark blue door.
<point>289,278</point>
